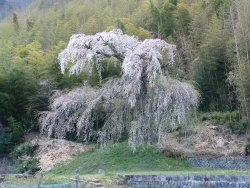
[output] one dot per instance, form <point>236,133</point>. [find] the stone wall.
<point>221,163</point>
<point>197,181</point>
<point>187,181</point>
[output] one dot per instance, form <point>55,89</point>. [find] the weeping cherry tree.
<point>144,103</point>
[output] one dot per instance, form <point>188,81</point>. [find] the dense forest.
<point>212,53</point>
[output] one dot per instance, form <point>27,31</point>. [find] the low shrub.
<point>169,153</point>
<point>238,127</point>
<point>233,120</point>
<point>31,166</point>
<point>6,144</point>
<point>247,147</point>
<point>24,149</point>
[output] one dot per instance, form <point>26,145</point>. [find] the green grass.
<point>120,158</point>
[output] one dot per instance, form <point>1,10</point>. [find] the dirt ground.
<point>54,151</point>
<point>207,141</point>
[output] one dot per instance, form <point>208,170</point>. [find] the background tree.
<point>182,37</point>
<point>209,68</point>
<point>15,22</point>
<point>163,18</point>
<point>240,77</point>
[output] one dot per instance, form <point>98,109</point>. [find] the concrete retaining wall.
<point>221,163</point>
<point>187,181</point>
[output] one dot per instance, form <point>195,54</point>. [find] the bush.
<point>24,149</point>
<point>32,166</point>
<point>247,147</point>
<point>6,144</point>
<point>16,128</point>
<point>233,120</point>
<point>169,153</point>
<point>238,127</point>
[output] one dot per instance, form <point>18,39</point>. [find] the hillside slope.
<point>205,141</point>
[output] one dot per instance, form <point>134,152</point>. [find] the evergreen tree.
<point>15,22</point>
<point>163,19</point>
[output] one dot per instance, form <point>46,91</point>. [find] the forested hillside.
<point>7,7</point>
<point>212,54</point>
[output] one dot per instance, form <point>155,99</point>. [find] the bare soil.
<point>207,141</point>
<point>54,151</point>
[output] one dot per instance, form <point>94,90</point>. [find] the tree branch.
<point>116,54</point>
<point>165,65</point>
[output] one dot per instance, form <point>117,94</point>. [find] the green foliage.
<point>29,23</point>
<point>6,144</point>
<point>111,69</point>
<point>183,18</point>
<point>238,127</point>
<point>208,70</point>
<point>16,128</point>
<point>163,18</point>
<point>247,146</point>
<point>23,149</point>
<point>71,136</point>
<point>6,100</point>
<point>129,28</point>
<point>19,74</point>
<point>174,2</point>
<point>32,166</point>
<point>15,22</point>
<point>233,120</point>
<point>217,5</point>
<point>22,85</point>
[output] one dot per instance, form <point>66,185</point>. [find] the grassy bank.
<point>120,158</point>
